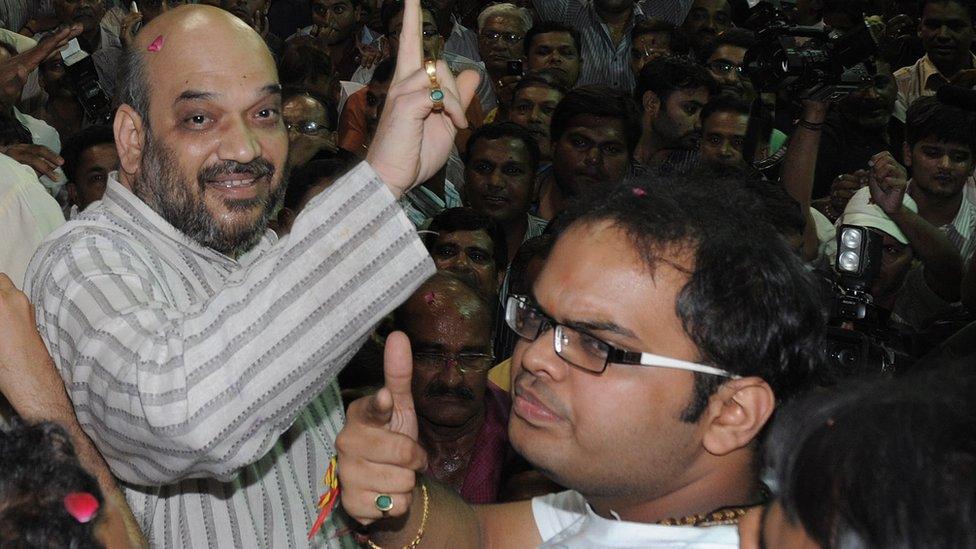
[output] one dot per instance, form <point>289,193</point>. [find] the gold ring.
<point>431,67</point>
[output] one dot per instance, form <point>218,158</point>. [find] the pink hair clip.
<point>81,505</point>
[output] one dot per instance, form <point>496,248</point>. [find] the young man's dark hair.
<point>967,5</point>
<point>598,101</point>
<point>465,219</point>
<point>544,27</point>
<point>77,144</point>
<point>725,103</point>
<point>750,306</point>
<point>40,469</point>
<point>664,76</point>
<point>929,118</point>
<point>498,130</point>
<point>741,38</point>
<point>302,179</point>
<point>303,59</point>
<point>883,464</point>
<point>543,78</point>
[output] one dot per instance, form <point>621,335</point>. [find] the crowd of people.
<point>467,273</point>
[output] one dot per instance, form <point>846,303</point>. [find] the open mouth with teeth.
<point>237,186</point>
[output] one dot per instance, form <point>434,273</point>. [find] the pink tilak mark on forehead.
<point>156,44</point>
<point>429,297</point>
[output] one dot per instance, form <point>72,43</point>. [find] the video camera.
<point>859,338</point>
<point>83,78</point>
<point>807,61</point>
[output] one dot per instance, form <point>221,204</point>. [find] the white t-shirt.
<point>565,520</point>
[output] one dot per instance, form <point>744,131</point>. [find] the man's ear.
<point>130,139</point>
<point>651,104</point>
<point>736,413</point>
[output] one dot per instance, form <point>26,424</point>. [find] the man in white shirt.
<point>27,215</point>
<point>662,331</point>
<point>200,353</point>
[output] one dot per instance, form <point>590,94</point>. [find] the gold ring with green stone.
<point>384,503</point>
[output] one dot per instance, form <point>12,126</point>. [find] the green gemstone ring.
<point>384,503</point>
<point>437,96</point>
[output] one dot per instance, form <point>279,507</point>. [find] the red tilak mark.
<point>429,297</point>
<point>639,191</point>
<point>157,44</point>
<point>81,505</point>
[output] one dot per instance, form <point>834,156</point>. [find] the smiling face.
<point>211,160</point>
<point>499,178</point>
<point>618,434</point>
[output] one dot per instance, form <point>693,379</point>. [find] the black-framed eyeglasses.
<point>508,37</point>
<point>721,66</point>
<point>583,350</point>
<point>306,127</point>
<point>463,362</point>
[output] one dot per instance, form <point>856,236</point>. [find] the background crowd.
<point>197,311</point>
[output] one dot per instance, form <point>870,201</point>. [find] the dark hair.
<point>537,247</point>
<point>498,130</point>
<point>964,4</point>
<point>598,101</point>
<point>77,144</point>
<point>545,27</point>
<point>665,75</point>
<point>725,103</point>
<point>305,177</point>
<point>542,78</point>
<point>453,220</point>
<point>39,469</point>
<point>741,38</point>
<point>929,118</point>
<point>886,463</point>
<point>750,306</point>
<point>392,8</point>
<point>331,112</point>
<point>301,59</point>
<point>12,131</point>
<point>384,71</point>
<point>677,39</point>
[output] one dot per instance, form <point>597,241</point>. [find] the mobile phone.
<point>515,68</point>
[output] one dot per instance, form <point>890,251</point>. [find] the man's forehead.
<point>599,128</point>
<point>477,238</point>
<point>503,146</point>
<point>949,146</point>
<point>553,38</point>
<point>502,22</point>
<point>541,93</point>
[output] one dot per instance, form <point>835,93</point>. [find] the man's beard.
<point>161,186</point>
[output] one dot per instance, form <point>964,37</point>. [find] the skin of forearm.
<point>451,523</point>
<point>800,164</point>
<point>942,264</point>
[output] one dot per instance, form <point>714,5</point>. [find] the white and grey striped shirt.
<point>206,382</point>
<point>603,62</point>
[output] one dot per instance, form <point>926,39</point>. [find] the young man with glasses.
<point>723,57</point>
<point>462,419</point>
<point>664,329</point>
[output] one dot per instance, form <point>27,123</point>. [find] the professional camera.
<point>859,338</point>
<point>83,78</point>
<point>807,61</point>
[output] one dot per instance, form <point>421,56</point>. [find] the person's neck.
<point>948,69</point>
<point>937,210</point>
<point>732,484</point>
<point>515,233</point>
<point>445,440</point>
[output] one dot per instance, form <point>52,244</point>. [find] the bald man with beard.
<point>199,351</point>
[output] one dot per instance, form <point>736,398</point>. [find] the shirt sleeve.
<point>27,213</point>
<point>172,392</point>
<point>554,513</point>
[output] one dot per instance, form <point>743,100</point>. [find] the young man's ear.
<point>129,140</point>
<point>651,104</point>
<point>736,414</point>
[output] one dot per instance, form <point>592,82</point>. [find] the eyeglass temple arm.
<point>648,359</point>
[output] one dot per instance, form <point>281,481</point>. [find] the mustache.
<point>258,167</point>
<point>439,389</point>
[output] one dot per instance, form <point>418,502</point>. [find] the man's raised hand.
<point>888,181</point>
<point>412,140</point>
<point>378,448</point>
<point>14,71</point>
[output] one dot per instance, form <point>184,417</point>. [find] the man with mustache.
<point>200,352</point>
<point>671,92</point>
<point>462,418</point>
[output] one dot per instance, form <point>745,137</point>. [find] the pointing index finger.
<point>410,54</point>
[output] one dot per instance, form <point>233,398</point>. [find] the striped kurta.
<point>206,382</point>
